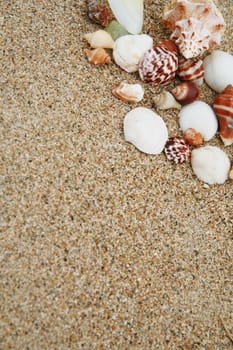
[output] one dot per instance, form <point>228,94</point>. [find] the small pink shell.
<point>177,150</point>
<point>186,92</point>
<point>191,70</point>
<point>223,107</point>
<point>158,66</point>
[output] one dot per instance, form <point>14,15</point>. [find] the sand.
<point>102,246</point>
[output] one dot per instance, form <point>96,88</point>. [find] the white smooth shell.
<point>199,116</point>
<point>129,14</point>
<point>210,164</point>
<point>129,49</point>
<point>146,130</point>
<point>218,67</point>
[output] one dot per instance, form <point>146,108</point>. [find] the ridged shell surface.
<point>191,70</point>
<point>158,66</point>
<point>223,107</point>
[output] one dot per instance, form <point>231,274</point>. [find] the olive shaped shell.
<point>223,107</point>
<point>158,66</point>
<point>146,130</point>
<point>191,70</point>
<point>186,92</point>
<point>193,137</point>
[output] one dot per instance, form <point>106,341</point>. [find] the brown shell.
<point>193,137</point>
<point>177,150</point>
<point>186,92</point>
<point>191,70</point>
<point>98,12</point>
<point>168,44</point>
<point>158,66</point>
<point>98,56</point>
<point>223,107</point>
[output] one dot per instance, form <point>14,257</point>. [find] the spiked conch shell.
<point>100,38</point>
<point>197,25</point>
<point>129,14</point>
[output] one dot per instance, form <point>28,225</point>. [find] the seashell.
<point>210,164</point>
<point>128,92</point>
<point>97,56</point>
<point>98,12</point>
<point>197,25</point>
<point>146,130</point>
<point>177,150</point>
<point>129,14</point>
<point>165,100</point>
<point>100,38</point>
<point>116,30</point>
<point>186,92</point>
<point>218,68</point>
<point>223,107</point>
<point>191,70</point>
<point>158,66</point>
<point>129,49</point>
<point>199,116</point>
<point>169,45</point>
<point>193,137</point>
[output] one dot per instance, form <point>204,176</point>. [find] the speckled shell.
<point>98,56</point>
<point>177,150</point>
<point>98,12</point>
<point>191,70</point>
<point>223,107</point>
<point>186,92</point>
<point>158,66</point>
<point>197,25</point>
<point>128,92</point>
<point>193,137</point>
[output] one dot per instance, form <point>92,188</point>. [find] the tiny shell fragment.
<point>128,92</point>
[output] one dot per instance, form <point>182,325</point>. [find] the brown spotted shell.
<point>158,66</point>
<point>223,107</point>
<point>186,92</point>
<point>193,137</point>
<point>98,12</point>
<point>98,56</point>
<point>177,150</point>
<point>191,70</point>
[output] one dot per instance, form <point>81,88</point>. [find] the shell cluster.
<point>197,25</point>
<point>158,66</point>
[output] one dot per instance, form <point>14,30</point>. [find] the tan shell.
<point>100,38</point>
<point>97,56</point>
<point>165,100</point>
<point>128,92</point>
<point>197,25</point>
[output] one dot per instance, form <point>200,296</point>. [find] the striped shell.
<point>191,70</point>
<point>158,66</point>
<point>223,107</point>
<point>98,12</point>
<point>186,92</point>
<point>177,150</point>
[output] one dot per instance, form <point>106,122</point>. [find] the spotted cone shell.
<point>158,66</point>
<point>223,107</point>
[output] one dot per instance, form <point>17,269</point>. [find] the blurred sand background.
<point>102,247</point>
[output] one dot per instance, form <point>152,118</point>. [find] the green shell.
<point>115,29</point>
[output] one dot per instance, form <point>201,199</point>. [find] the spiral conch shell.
<point>197,25</point>
<point>223,107</point>
<point>100,38</point>
<point>98,56</point>
<point>128,92</point>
